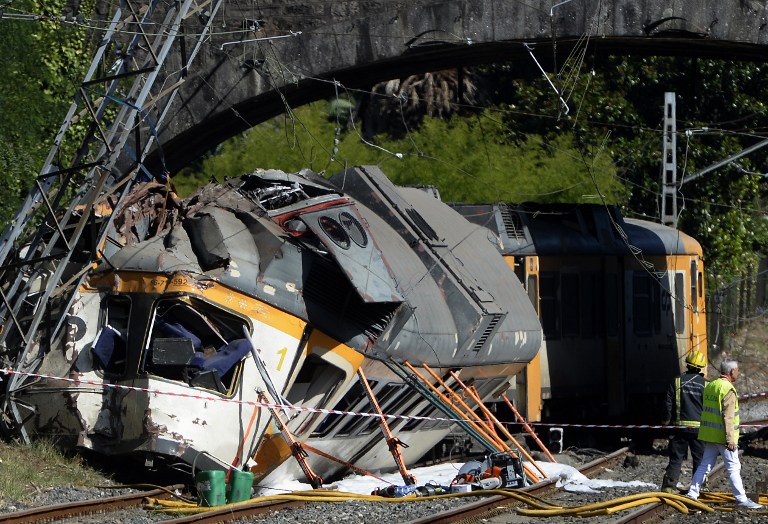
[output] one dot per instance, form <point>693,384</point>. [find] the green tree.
<point>720,110</point>
<point>481,163</point>
<point>43,62</point>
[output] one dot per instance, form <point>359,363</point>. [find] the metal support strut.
<point>529,429</point>
<point>468,419</point>
<point>503,446</point>
<point>429,392</point>
<point>297,450</point>
<point>462,411</point>
<point>472,392</point>
<point>393,442</point>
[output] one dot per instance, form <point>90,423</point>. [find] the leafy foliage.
<point>720,111</point>
<point>481,164</point>
<point>43,61</point>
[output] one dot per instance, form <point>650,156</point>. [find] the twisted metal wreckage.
<point>212,329</point>
<point>206,333</point>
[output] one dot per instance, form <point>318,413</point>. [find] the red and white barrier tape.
<point>753,395</point>
<point>106,385</point>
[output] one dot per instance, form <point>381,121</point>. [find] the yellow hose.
<point>679,502</point>
<point>169,506</point>
<point>679,506</point>
<point>537,507</point>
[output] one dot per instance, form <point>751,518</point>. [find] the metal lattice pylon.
<point>669,163</point>
<point>123,101</point>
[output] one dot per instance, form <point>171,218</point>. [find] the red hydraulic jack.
<point>393,442</point>
<point>297,450</point>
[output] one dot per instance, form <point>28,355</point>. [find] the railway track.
<point>495,504</point>
<point>84,508</point>
<point>245,510</point>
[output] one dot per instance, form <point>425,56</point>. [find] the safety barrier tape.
<point>628,426</point>
<point>107,385</point>
<point>753,395</point>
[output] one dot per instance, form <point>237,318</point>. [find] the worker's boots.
<point>668,485</point>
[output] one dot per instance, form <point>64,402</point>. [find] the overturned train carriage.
<point>277,288</point>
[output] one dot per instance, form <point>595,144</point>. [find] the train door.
<point>656,331</point>
<point>697,318</point>
<point>682,313</point>
<point>528,383</point>
<point>688,309</point>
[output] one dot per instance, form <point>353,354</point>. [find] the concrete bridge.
<point>264,55</point>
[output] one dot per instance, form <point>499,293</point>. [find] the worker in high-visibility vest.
<point>683,408</point>
<point>720,432</point>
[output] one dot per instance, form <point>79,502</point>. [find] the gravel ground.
<point>649,467</point>
<point>646,467</point>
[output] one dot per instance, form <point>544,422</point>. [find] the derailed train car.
<point>621,303</point>
<point>277,289</point>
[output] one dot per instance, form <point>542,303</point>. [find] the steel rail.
<point>235,512</point>
<point>86,507</point>
<point>242,510</point>
<point>493,504</point>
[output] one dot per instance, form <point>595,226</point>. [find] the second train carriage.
<point>621,303</point>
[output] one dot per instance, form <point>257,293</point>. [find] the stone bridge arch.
<point>262,56</point>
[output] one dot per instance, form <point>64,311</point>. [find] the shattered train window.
<point>195,342</point>
<point>316,382</point>
<point>351,399</point>
<point>109,348</point>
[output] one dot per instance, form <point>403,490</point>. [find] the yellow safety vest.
<point>712,428</point>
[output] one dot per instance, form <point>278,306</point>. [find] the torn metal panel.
<point>342,232</point>
<point>487,318</point>
<point>149,210</point>
<point>207,241</point>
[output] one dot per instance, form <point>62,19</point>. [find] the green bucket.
<point>211,487</point>
<point>239,486</point>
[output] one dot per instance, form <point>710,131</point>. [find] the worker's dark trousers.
<point>678,452</point>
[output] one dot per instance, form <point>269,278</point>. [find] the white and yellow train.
<point>278,289</point>
<point>218,331</point>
